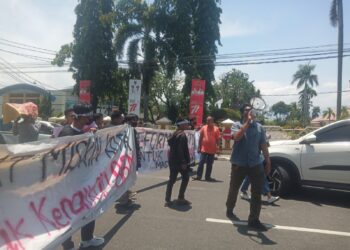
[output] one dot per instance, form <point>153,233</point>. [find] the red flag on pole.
<point>197,100</point>
<point>84,92</point>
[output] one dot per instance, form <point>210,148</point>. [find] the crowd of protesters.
<point>249,159</point>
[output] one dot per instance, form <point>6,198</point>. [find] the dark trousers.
<point>172,179</point>
<point>87,233</point>
<point>209,160</point>
<point>256,177</point>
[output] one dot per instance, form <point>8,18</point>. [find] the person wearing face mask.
<point>247,160</point>
<point>82,117</point>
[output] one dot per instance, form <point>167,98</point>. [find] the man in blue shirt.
<point>247,160</point>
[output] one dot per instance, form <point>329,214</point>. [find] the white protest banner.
<point>154,148</point>
<point>134,96</point>
<point>49,189</point>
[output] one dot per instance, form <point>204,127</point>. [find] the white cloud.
<point>230,28</point>
<point>43,24</point>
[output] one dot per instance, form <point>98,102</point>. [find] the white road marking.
<point>300,229</point>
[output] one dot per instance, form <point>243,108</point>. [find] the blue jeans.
<point>246,182</point>
<point>205,158</point>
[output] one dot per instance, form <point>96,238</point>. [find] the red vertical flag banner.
<point>197,100</point>
<point>84,92</point>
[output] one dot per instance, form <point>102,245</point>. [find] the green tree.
<point>336,18</point>
<point>191,29</point>
<point>235,89</point>
<point>92,53</point>
<point>295,114</point>
<point>45,106</point>
<point>166,92</point>
<point>280,109</point>
<point>135,27</point>
<point>315,112</point>
<point>344,113</point>
<point>328,114</point>
<point>305,80</point>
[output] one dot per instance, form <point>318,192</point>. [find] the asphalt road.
<point>311,219</point>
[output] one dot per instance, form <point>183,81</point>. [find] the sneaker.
<point>94,242</point>
<point>257,225</point>
<point>273,199</point>
<point>245,196</point>
<point>196,178</point>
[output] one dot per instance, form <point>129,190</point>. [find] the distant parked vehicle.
<point>320,158</point>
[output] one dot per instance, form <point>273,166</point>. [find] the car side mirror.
<point>309,139</point>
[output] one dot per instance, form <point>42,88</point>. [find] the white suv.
<point>320,158</point>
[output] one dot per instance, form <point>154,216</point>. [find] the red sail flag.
<point>197,100</point>
<point>84,93</point>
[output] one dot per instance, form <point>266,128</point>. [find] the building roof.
<point>23,86</point>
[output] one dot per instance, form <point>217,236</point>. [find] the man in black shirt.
<point>83,114</point>
<point>179,161</point>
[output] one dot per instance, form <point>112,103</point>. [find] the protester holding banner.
<point>179,160</point>
<point>98,119</point>
<point>83,114</point>
<point>128,197</point>
<point>117,118</point>
<point>68,120</point>
<point>209,142</point>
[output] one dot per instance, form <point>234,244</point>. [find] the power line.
<point>24,48</point>
<point>39,58</point>
<point>319,93</point>
<point>31,79</point>
<point>9,73</point>
<point>26,45</point>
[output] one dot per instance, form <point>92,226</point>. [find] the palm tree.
<point>135,28</point>
<point>305,80</point>
<point>328,113</point>
<point>336,18</point>
<point>344,113</point>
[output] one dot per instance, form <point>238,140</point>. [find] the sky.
<point>247,26</point>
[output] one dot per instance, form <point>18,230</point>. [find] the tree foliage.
<point>305,79</point>
<point>235,89</point>
<point>135,28</point>
<point>190,28</point>
<point>315,112</point>
<point>92,53</point>
<point>329,113</point>
<point>344,113</point>
<point>166,93</point>
<point>280,109</point>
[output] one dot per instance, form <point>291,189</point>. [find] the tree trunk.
<point>340,56</point>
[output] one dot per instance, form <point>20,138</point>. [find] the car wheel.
<point>279,180</point>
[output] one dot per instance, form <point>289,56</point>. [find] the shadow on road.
<point>321,197</point>
<point>112,232</point>
<point>255,236</point>
<point>161,184</point>
<point>180,208</point>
